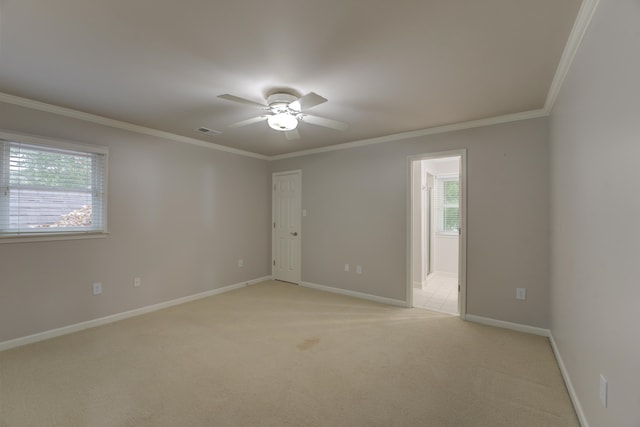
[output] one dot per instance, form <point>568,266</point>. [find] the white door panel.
<point>286,226</point>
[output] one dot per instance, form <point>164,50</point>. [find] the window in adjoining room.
<point>447,204</point>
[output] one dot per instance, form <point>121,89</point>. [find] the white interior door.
<point>286,226</point>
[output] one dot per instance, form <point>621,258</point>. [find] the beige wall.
<point>595,149</point>
<point>180,216</point>
<point>356,202</point>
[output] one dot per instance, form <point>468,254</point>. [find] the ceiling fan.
<point>283,112</point>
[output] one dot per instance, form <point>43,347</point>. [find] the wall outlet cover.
<point>97,288</point>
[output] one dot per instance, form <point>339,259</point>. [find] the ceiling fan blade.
<point>321,121</point>
<point>307,101</point>
<point>248,121</point>
<point>234,98</point>
<point>292,134</point>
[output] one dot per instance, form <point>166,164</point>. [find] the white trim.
<point>65,330</point>
<point>567,381</point>
<point>585,14</point>
<point>556,352</point>
<point>67,112</point>
<point>508,325</point>
<point>26,238</point>
<point>75,114</point>
<point>354,294</point>
<point>52,142</point>
<point>447,234</point>
<point>533,114</point>
<point>462,238</point>
<point>443,273</point>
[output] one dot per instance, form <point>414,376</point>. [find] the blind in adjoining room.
<point>447,204</point>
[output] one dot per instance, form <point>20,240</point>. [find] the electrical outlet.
<point>97,288</point>
<point>358,269</point>
<point>346,268</point>
<point>521,293</point>
<point>137,282</point>
<point>604,386</point>
<point>240,263</point>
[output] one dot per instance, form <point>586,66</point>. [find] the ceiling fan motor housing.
<point>279,102</point>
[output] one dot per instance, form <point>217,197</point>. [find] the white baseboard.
<point>41,336</point>
<point>508,325</point>
<point>354,294</point>
<point>567,381</point>
<point>545,333</point>
<point>418,285</point>
<point>444,274</point>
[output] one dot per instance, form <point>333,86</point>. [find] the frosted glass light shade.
<point>282,122</point>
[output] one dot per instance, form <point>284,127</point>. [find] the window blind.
<point>447,204</point>
<point>50,190</point>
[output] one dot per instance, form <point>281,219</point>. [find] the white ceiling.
<point>385,66</point>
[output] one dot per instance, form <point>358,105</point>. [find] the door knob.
<point>295,233</point>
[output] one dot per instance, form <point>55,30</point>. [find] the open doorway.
<point>437,216</point>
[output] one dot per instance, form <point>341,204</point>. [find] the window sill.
<point>447,235</point>
<point>27,238</point>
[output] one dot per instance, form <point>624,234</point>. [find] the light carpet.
<point>276,354</point>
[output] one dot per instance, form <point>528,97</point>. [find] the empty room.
<point>355,213</point>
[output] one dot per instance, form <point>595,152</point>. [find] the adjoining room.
<point>436,233</point>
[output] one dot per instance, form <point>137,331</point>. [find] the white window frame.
<point>60,233</point>
<point>440,204</point>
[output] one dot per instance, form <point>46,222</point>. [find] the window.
<point>447,204</point>
<point>51,187</point>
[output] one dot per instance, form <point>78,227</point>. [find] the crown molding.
<point>583,19</point>
<point>585,14</point>
<point>75,114</point>
<point>533,114</point>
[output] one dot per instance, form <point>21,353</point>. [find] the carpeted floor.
<point>276,354</point>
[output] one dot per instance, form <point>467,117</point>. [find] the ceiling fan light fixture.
<point>282,122</point>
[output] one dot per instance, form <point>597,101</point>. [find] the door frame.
<point>427,222</point>
<point>462,240</point>
<point>273,218</point>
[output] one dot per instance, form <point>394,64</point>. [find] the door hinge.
<point>458,288</point>
<point>274,262</point>
<point>274,224</point>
